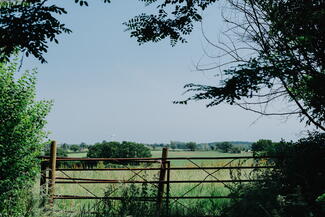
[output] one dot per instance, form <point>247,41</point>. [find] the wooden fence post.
<point>52,172</point>
<point>168,187</point>
<point>43,182</point>
<point>161,181</point>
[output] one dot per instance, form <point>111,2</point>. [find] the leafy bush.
<point>21,138</point>
<point>294,188</point>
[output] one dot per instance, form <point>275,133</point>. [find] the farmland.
<point>176,189</point>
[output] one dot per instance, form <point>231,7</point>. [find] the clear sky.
<point>105,86</point>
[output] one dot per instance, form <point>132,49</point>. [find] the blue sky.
<point>105,86</point>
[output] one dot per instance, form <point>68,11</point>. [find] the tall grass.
<point>182,207</point>
<point>130,206</point>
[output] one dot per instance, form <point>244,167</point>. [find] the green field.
<point>195,154</point>
<point>179,154</point>
<point>78,154</point>
<point>178,189</point>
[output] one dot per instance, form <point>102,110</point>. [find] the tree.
<point>191,146</point>
<point>178,144</point>
<point>83,145</point>
<point>118,150</point>
<point>173,145</point>
<point>22,136</point>
<point>65,146</point>
<point>261,145</point>
<point>75,148</point>
<point>224,146</point>
<point>279,57</point>
<point>285,39</point>
<point>235,150</point>
<point>27,25</point>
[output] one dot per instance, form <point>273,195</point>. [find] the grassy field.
<point>206,189</point>
<point>181,154</point>
<point>195,154</point>
<point>80,154</point>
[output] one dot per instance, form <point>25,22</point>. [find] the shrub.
<point>21,138</point>
<point>294,188</point>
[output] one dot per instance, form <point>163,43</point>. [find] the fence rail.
<point>172,168</point>
<point>158,159</point>
<point>49,163</point>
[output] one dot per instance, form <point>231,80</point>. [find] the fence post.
<point>43,181</point>
<point>52,172</point>
<point>161,181</point>
<point>168,187</point>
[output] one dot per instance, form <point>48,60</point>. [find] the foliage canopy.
<point>287,39</point>
<point>28,25</point>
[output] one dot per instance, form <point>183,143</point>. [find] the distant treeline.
<point>232,146</point>
<point>101,150</point>
<point>113,149</point>
<point>120,149</point>
<point>229,146</point>
<point>64,148</point>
